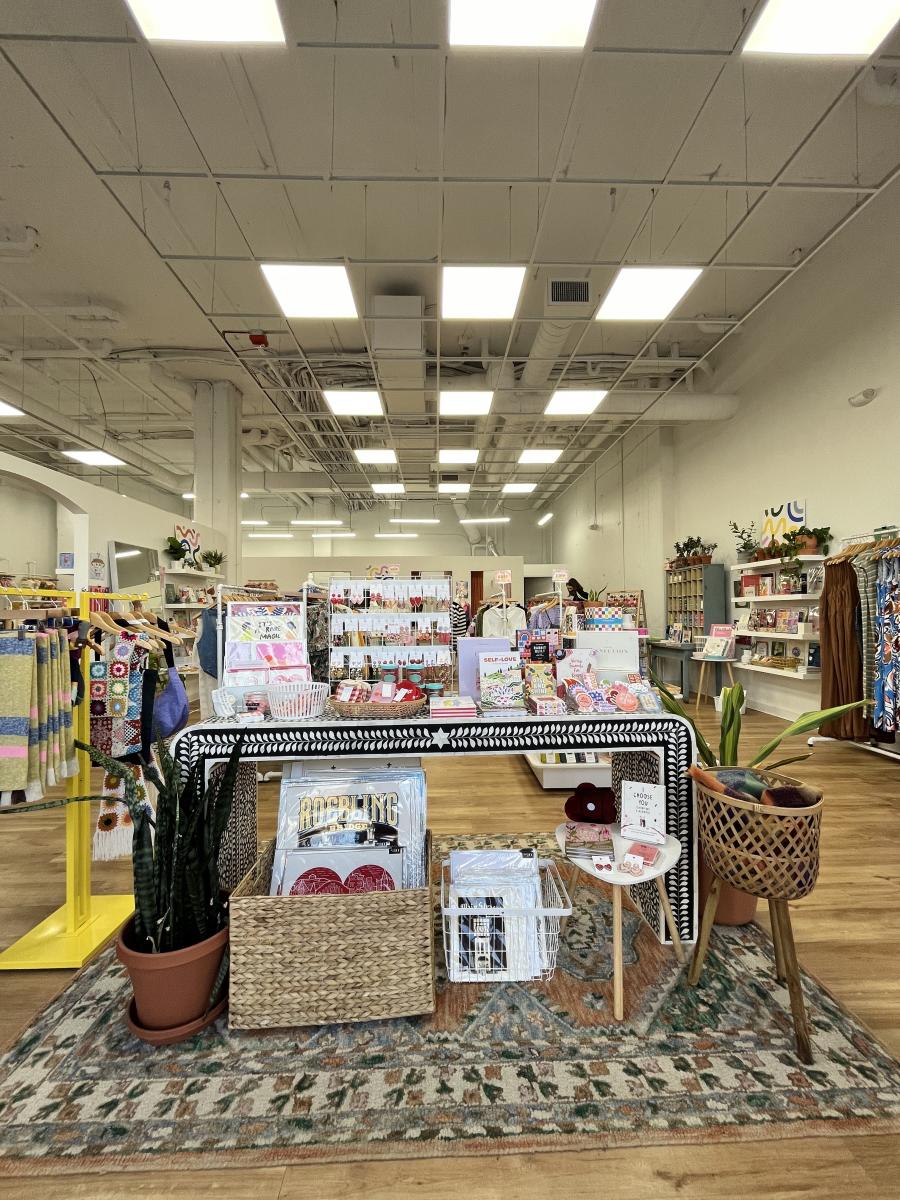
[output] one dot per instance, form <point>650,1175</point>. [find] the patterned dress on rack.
<point>887,646</point>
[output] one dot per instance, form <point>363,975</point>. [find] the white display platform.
<point>569,775</point>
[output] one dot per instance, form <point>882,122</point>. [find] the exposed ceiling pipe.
<point>178,389</point>
<point>92,351</point>
<point>676,406</point>
<point>471,531</point>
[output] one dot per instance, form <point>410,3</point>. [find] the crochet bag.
<point>170,708</point>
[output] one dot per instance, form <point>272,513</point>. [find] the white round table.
<point>670,852</point>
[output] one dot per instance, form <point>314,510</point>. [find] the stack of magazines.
<point>348,831</point>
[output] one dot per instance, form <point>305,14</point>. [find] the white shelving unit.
<point>804,560</point>
<point>809,673</point>
<point>569,775</point>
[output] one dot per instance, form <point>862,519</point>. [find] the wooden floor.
<point>847,934</point>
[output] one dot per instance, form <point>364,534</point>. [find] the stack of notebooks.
<point>452,706</point>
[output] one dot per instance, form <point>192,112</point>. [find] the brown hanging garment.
<point>841,660</point>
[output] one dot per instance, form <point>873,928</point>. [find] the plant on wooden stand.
<point>175,947</point>
<point>737,908</point>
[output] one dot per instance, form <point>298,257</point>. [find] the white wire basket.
<point>299,701</point>
<point>489,942</point>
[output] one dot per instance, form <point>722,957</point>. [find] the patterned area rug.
<point>496,1068</point>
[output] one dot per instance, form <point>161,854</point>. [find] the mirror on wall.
<point>132,568</point>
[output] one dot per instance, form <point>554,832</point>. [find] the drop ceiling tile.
<point>591,221</point>
<point>63,18</point>
<point>227,287</point>
<point>678,24</point>
<point>187,216</point>
<point>859,142</point>
<point>423,21</point>
<point>400,220</point>
<point>787,225</point>
<point>385,114</point>
<point>298,220</point>
<point>757,115</point>
<point>634,113</point>
<point>489,223</point>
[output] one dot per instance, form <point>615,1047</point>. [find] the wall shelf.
<point>772,635</point>
<point>796,597</point>
<point>807,675</point>
<point>802,559</point>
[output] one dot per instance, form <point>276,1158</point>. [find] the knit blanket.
<point>16,671</point>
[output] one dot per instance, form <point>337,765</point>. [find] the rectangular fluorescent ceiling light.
<point>127,553</point>
<point>375,456</point>
<point>414,520</point>
<point>536,455</point>
<point>344,533</point>
<point>485,521</point>
<point>465,404</point>
<point>254,522</point>
<point>453,489</point>
<point>7,410</point>
<point>646,293</point>
<point>574,404</point>
<point>208,20</point>
<point>322,522</point>
<point>396,535</point>
<point>388,489</point>
<point>354,404</point>
<point>822,27</point>
<point>518,489</point>
<point>554,23</point>
<point>481,293</point>
<point>187,495</point>
<point>270,535</point>
<point>94,458</point>
<point>245,495</point>
<point>545,518</point>
<point>457,456</point>
<point>311,292</point>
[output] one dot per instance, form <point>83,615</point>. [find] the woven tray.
<point>366,710</point>
<point>312,960</point>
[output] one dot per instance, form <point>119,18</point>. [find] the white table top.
<point>704,658</point>
<point>670,852</point>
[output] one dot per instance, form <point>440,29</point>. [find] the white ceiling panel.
<point>634,113</point>
<point>489,224</point>
<point>787,225</point>
<point>298,220</point>
<point>505,115</point>
<point>383,21</point>
<point>385,114</point>
<point>677,24</point>
<point>756,117</point>
<point>860,141</point>
<point>591,221</point>
<point>99,18</point>
<point>721,294</point>
<point>181,216</point>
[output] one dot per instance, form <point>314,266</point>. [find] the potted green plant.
<point>213,559</point>
<point>808,541</point>
<point>175,946</point>
<point>745,542</point>
<point>707,550</point>
<point>737,908</point>
<point>680,559</point>
<point>175,550</point>
<point>692,548</point>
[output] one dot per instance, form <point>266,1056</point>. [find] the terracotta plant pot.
<point>171,990</point>
<point>705,559</point>
<point>806,544</point>
<point>762,553</point>
<point>734,908</point>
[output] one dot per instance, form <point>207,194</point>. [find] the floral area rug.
<point>497,1068</point>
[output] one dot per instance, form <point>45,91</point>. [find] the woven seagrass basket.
<point>768,852</point>
<point>312,960</point>
<point>367,710</point>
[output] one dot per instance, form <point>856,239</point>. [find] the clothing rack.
<point>864,540</point>
<point>71,934</point>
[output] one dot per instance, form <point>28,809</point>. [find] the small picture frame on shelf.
<point>779,649</point>
<point>761,649</point>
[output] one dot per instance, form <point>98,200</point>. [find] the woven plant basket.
<point>366,710</point>
<point>313,960</point>
<point>771,853</point>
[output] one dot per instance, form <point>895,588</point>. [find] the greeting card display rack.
<point>71,934</point>
<point>379,622</point>
<point>765,594</point>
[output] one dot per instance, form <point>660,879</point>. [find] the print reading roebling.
<point>320,809</point>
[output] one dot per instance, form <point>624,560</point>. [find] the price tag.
<point>561,575</point>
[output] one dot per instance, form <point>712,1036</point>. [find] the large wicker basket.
<point>311,960</point>
<point>768,852</point>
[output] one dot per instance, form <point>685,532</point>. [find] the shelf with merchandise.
<point>778,563</point>
<point>782,673</point>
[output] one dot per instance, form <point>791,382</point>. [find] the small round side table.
<point>670,852</point>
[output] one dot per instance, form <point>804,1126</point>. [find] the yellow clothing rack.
<point>72,934</point>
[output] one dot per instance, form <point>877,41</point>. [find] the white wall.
<point>28,522</point>
<point>830,332</point>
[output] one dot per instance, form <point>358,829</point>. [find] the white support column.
<point>217,466</point>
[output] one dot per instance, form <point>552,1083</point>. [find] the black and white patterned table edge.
<point>669,735</point>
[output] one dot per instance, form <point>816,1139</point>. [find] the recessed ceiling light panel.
<point>94,458</point>
<point>454,489</point>
<point>574,404</point>
<point>552,23</point>
<point>828,28</point>
<point>208,20</point>
<point>449,455</point>
<point>518,489</point>
<point>646,293</point>
<point>465,404</point>
<point>480,293</point>
<point>388,489</point>
<point>311,292</point>
<point>7,410</point>
<point>414,520</point>
<point>375,455</point>
<point>353,404</point>
<point>540,455</point>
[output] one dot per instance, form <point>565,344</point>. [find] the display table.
<point>669,736</point>
<point>680,652</point>
<point>669,854</point>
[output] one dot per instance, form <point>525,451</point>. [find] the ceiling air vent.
<point>570,291</point>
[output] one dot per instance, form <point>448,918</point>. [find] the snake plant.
<point>174,853</point>
<point>730,733</point>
